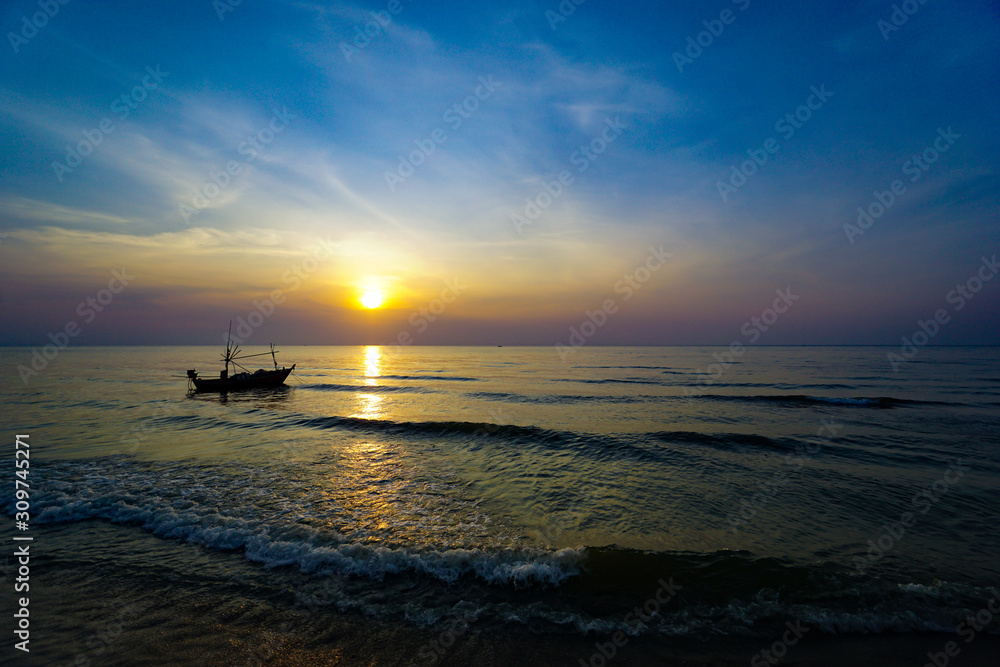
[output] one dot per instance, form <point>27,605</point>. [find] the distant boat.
<point>244,380</point>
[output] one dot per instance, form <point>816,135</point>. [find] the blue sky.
<point>345,121</point>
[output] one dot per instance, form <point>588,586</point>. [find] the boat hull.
<point>253,381</point>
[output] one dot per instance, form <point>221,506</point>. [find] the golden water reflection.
<point>370,403</point>
<point>373,354</point>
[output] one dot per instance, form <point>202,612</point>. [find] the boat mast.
<point>228,342</point>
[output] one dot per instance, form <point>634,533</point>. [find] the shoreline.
<point>183,615</point>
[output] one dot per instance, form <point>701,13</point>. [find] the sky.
<point>508,173</point>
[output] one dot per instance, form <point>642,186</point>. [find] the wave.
<point>455,378</point>
<point>645,446</point>
<point>778,386</point>
<point>509,431</point>
<point>665,370</point>
<point>500,432</point>
<point>581,589</point>
<point>311,538</point>
<point>625,445</point>
<point>738,592</point>
<point>366,389</point>
<point>883,402</point>
<point>724,440</point>
<point>610,380</point>
<point>310,551</point>
<point>555,398</point>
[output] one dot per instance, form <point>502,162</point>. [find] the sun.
<point>372,299</point>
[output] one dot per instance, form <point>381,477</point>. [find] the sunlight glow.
<point>372,299</point>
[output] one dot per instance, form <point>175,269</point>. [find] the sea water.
<point>464,491</point>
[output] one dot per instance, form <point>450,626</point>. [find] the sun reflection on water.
<point>373,354</point>
<point>370,403</point>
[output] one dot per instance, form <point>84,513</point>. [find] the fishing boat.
<point>245,379</point>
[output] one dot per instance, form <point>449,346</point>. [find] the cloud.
<point>21,211</point>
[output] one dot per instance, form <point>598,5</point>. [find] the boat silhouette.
<point>245,379</point>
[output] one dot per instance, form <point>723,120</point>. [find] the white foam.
<point>311,551</point>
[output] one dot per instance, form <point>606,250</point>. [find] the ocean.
<point>487,505</point>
